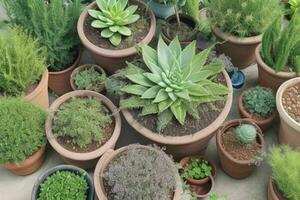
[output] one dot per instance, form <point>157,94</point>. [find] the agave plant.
<point>174,84</point>
<point>112,18</point>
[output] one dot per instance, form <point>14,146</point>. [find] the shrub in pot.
<point>60,38</point>
<point>22,135</point>
<point>110,31</point>
<point>162,8</point>
<point>83,126</point>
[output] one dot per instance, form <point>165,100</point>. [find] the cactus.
<point>245,133</point>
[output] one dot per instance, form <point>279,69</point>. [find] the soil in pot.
<point>291,102</point>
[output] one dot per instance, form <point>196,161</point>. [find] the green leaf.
<point>135,89</point>
<point>205,72</point>
<point>150,109</point>
<point>155,78</point>
<point>151,93</point>
<point>175,47</point>
<point>115,39</point>
<point>98,24</point>
<point>131,9</point>
<point>161,96</point>
<point>134,102</point>
<point>122,4</point>
<point>162,106</point>
<point>164,119</point>
<point>106,33</point>
<point>150,59</point>
<point>184,94</point>
<point>94,13</point>
<point>102,5</point>
<point>187,54</point>
<point>165,56</point>
<point>132,19</point>
<point>215,88</point>
<point>179,112</point>
<point>124,31</point>
<point>114,28</point>
<point>140,79</point>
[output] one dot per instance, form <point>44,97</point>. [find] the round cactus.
<point>245,133</point>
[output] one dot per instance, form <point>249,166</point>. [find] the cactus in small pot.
<point>245,133</point>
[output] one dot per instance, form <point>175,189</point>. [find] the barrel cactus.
<point>245,133</point>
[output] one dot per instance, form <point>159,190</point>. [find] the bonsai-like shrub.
<point>139,173</point>
<point>245,133</point>
<point>64,185</point>
<point>243,18</point>
<point>259,100</point>
<point>53,23</point>
<point>22,62</point>
<point>21,130</point>
<point>196,169</point>
<point>285,164</point>
<point>82,120</point>
<point>89,79</point>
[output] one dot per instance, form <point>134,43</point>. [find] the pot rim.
<point>89,155</point>
<point>211,179</point>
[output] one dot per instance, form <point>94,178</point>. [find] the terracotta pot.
<point>161,10</point>
<point>110,155</point>
<point>39,96</point>
<point>181,146</point>
<point>204,190</point>
<point>59,82</point>
<point>263,124</point>
<point>233,167</point>
<point>113,60</point>
<point>30,165</point>
<point>83,160</point>
<point>267,76</point>
<point>85,67</point>
<point>289,131</point>
<point>273,192</point>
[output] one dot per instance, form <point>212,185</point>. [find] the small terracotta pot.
<point>83,160</point>
<point>267,76</point>
<point>109,156</point>
<point>204,190</point>
<point>273,192</point>
<point>263,124</point>
<point>289,131</point>
<point>233,167</point>
<point>86,67</point>
<point>39,96</point>
<point>30,165</point>
<point>113,60</point>
<point>59,82</point>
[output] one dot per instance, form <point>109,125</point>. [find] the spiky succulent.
<point>175,82</point>
<point>113,17</point>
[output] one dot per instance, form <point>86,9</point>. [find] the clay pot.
<point>204,190</point>
<point>161,10</point>
<point>180,146</point>
<point>86,67</point>
<point>112,154</point>
<point>30,165</point>
<point>113,60</point>
<point>233,167</point>
<point>59,82</point>
<point>83,160</point>
<point>273,192</point>
<point>263,124</point>
<point>267,76</point>
<point>289,131</point>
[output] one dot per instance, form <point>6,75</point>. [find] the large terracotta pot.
<point>273,192</point>
<point>233,167</point>
<point>267,76</point>
<point>112,60</point>
<point>30,165</point>
<point>181,146</point>
<point>110,155</point>
<point>289,131</point>
<point>83,160</point>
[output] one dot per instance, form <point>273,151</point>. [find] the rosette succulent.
<point>113,18</point>
<point>245,133</point>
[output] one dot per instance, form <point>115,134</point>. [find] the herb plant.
<point>21,130</point>
<point>89,79</point>
<point>196,169</point>
<point>64,185</point>
<point>245,133</point>
<point>83,120</point>
<point>112,18</point>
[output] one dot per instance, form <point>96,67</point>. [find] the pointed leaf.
<point>179,112</point>
<point>162,106</point>
<point>150,109</point>
<point>165,56</point>
<point>161,96</point>
<point>131,9</point>
<point>175,47</point>
<point>122,4</point>
<point>102,4</point>
<point>140,79</point>
<point>134,89</point>
<point>184,94</point>
<point>150,59</point>
<point>164,119</point>
<point>187,54</point>
<point>208,71</point>
<point>151,93</point>
<point>155,78</point>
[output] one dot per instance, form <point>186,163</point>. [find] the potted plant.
<point>284,183</point>
<point>88,77</point>
<point>162,8</point>
<point>239,25</point>
<point>259,104</point>
<point>63,182</point>
<point>84,124</point>
<point>111,29</point>
<point>137,172</point>
<point>23,139</point>
<point>23,68</point>
<point>60,38</point>
<point>278,56</point>
<point>287,102</point>
<point>240,144</point>
<point>291,7</point>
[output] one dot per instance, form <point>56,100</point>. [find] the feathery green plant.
<point>89,79</point>
<point>22,130</point>
<point>245,133</point>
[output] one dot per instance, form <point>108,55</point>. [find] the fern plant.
<point>89,79</point>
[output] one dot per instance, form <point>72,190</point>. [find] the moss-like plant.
<point>285,164</point>
<point>22,61</point>
<point>196,169</point>
<point>89,79</point>
<point>245,133</point>
<point>82,121</point>
<point>21,130</point>
<point>64,185</point>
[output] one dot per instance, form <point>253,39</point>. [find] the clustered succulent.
<point>89,79</point>
<point>245,133</point>
<point>196,169</point>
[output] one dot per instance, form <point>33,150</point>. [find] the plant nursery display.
<point>137,172</point>
<point>83,126</point>
<point>22,135</point>
<point>162,8</point>
<point>284,183</point>
<point>111,29</point>
<point>240,145</point>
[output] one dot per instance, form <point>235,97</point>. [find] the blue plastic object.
<point>238,79</point>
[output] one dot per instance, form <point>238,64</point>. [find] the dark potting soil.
<point>139,29</point>
<point>184,31</point>
<point>291,102</point>
<point>236,149</point>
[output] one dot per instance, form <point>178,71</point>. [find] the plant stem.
<point>177,16</point>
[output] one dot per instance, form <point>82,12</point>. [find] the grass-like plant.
<point>82,121</point>
<point>285,164</point>
<point>53,23</point>
<point>64,185</point>
<point>89,79</point>
<point>196,169</point>
<point>22,61</point>
<point>21,130</point>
